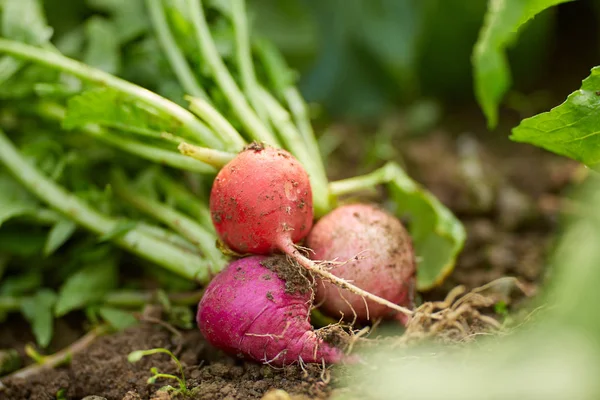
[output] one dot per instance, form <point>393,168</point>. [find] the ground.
<point>505,194</point>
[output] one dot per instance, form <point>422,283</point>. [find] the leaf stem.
<point>58,61</point>
<point>177,221</point>
<point>135,240</point>
<point>290,135</point>
<point>355,184</point>
<point>244,57</point>
<point>215,158</point>
<point>217,122</point>
<point>172,51</point>
<point>220,73</point>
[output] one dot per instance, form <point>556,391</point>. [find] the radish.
<point>374,252</point>
<point>261,202</point>
<point>258,308</point>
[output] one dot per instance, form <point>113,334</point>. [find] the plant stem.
<point>172,218</point>
<point>135,240</point>
<point>172,51</point>
<point>215,158</point>
<point>380,176</point>
<point>236,99</point>
<point>244,57</point>
<point>57,61</point>
<point>168,236</point>
<point>60,357</point>
<point>137,355</point>
<point>217,122</point>
<point>187,201</point>
<point>288,131</point>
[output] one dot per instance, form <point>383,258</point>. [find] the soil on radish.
<point>510,212</point>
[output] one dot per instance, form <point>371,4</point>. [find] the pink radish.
<point>250,311</point>
<point>374,252</point>
<point>261,202</point>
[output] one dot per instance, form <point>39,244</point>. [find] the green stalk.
<point>187,201</point>
<point>290,135</point>
<point>168,236</point>
<point>217,122</point>
<point>134,241</point>
<point>236,99</point>
<point>138,299</point>
<point>364,182</point>
<point>177,221</point>
<point>57,61</point>
<point>215,158</point>
<point>172,51</point>
<point>244,58</point>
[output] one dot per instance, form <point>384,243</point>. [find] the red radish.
<point>249,310</point>
<point>261,202</point>
<point>379,255</point>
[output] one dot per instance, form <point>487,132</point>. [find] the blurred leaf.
<point>491,69</point>
<point>21,284</point>
<point>38,311</point>
<point>103,49</point>
<point>119,230</point>
<point>59,234</point>
<point>87,286</point>
<point>118,319</point>
<point>570,129</point>
<point>24,20</point>
<point>14,199</point>
<point>129,17</point>
<point>113,109</point>
<point>438,236</point>
<point>21,242</point>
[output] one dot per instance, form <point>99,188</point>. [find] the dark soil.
<point>103,370</point>
<point>505,194</point>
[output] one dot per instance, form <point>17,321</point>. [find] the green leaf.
<point>59,234</point>
<point>87,286</point>
<point>14,199</point>
<point>15,241</point>
<point>24,20</point>
<point>570,129</point>
<point>491,70</point>
<point>103,50</point>
<point>118,319</point>
<point>438,236</point>
<point>21,284</point>
<point>38,311</point>
<point>129,17</point>
<point>113,109</point>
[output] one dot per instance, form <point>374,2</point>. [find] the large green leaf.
<point>128,16</point>
<point>38,311</point>
<point>87,286</point>
<point>24,20</point>
<point>491,69</point>
<point>103,47</point>
<point>571,129</point>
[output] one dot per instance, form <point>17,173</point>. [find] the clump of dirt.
<point>103,370</point>
<point>297,279</point>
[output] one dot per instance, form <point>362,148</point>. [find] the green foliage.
<point>103,50</point>
<point>117,318</point>
<point>491,69</point>
<point>37,309</point>
<point>87,286</point>
<point>570,129</point>
<point>62,230</point>
<point>24,20</point>
<point>14,199</point>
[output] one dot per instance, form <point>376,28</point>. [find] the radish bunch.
<point>261,204</point>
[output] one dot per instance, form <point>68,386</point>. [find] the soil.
<point>505,194</point>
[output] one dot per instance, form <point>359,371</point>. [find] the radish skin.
<point>374,252</point>
<point>261,202</point>
<point>247,311</point>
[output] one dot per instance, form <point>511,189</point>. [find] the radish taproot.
<point>258,308</point>
<point>261,202</point>
<point>373,250</point>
